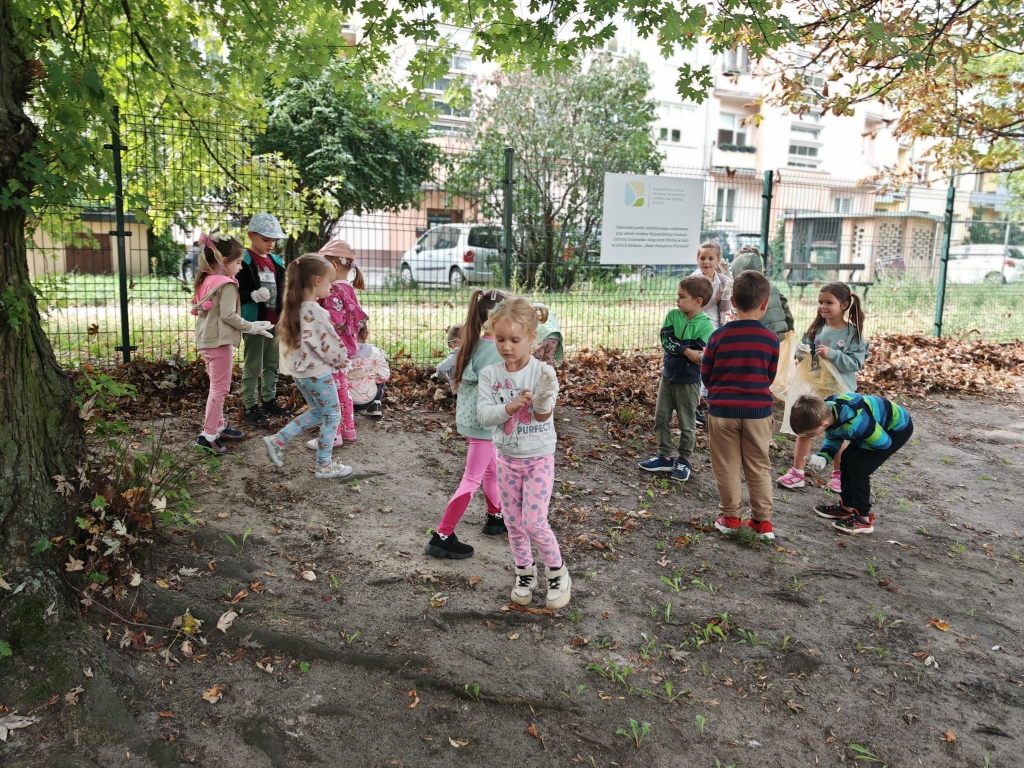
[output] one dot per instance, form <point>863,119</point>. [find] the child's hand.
<point>261,328</point>
<point>692,355</point>
<point>523,401</point>
<point>802,351</point>
<point>815,461</point>
<point>823,352</point>
<point>260,295</point>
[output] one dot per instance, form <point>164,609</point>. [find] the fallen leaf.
<point>213,695</point>
<point>474,580</point>
<point>188,571</point>
<point>189,624</point>
<point>415,699</point>
<point>222,515</point>
<point>159,504</point>
<point>87,672</point>
<point>248,642</point>
<point>949,736</point>
<point>186,648</point>
<point>308,575</point>
<point>73,564</point>
<point>225,621</point>
<point>513,636</point>
<point>163,584</point>
<point>242,594</point>
<point>458,742</point>
<point>532,730</point>
<point>438,600</point>
<point>136,580</point>
<point>71,697</point>
<point>939,624</point>
<point>167,714</point>
<point>13,723</point>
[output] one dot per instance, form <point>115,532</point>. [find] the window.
<point>805,132</point>
<point>737,61</point>
<point>725,204</point>
<point>813,87</point>
<point>803,156</point>
<point>842,204</point>
<point>663,134</point>
<point>676,135</point>
<point>462,62</point>
<point>731,130</point>
<point>444,108</point>
<point>440,84</point>
<point>673,117</point>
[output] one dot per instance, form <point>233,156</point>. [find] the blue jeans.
<point>321,395</point>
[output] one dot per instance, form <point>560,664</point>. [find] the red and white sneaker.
<point>763,528</point>
<point>855,524</point>
<point>834,483</point>
<point>728,524</point>
<point>794,478</point>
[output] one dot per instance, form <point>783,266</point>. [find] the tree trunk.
<point>40,432</point>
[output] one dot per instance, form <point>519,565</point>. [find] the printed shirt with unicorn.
<point>865,420</point>
<point>215,306</point>
<point>320,350</point>
<point>847,351</point>
<point>369,368</point>
<point>346,314</point>
<point>519,436</point>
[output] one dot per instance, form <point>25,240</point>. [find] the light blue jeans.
<point>321,394</point>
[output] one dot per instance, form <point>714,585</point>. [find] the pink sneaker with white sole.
<point>834,483</point>
<point>794,478</point>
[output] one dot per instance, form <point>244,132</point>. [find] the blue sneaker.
<point>682,472</point>
<point>658,464</point>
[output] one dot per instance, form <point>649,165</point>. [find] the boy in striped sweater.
<point>875,427</point>
<point>738,366</point>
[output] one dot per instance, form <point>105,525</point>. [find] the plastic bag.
<point>787,366</point>
<point>822,381</point>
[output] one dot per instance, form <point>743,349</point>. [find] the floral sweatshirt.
<point>346,314</point>
<point>320,350</point>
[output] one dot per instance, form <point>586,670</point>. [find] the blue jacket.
<point>866,420</point>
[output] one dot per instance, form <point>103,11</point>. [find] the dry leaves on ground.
<point>213,695</point>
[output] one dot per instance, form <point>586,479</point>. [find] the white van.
<point>970,264</point>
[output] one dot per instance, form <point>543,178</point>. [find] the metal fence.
<point>102,302</point>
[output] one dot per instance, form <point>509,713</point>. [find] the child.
<point>517,400</point>
<point>684,334</point>
<point>778,317</point>
<point>548,347</point>
<point>219,329</point>
<point>875,427</point>
<point>738,366</point>
<point>348,317</point>
<point>476,351</point>
<point>314,353</point>
<point>261,285</point>
<point>446,366</point>
<point>718,309</point>
<point>366,379</point>
<point>840,341</point>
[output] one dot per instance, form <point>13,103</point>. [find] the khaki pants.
<point>683,399</point>
<point>742,443</point>
<point>260,356</point>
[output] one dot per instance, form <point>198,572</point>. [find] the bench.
<point>793,268</point>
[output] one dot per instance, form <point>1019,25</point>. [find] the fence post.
<point>120,233</point>
<point>766,216</point>
<point>940,296</point>
<point>506,219</point>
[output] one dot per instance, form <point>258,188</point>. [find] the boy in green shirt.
<point>684,334</point>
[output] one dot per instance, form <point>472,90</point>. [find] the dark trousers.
<point>858,465</point>
<point>357,407</point>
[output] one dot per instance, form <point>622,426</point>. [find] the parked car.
<point>971,264</point>
<point>190,265</point>
<point>453,254</point>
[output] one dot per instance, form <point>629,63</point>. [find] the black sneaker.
<point>495,525</point>
<point>231,434</point>
<point>213,447</point>
<point>832,511</point>
<point>447,546</point>
<point>256,416</point>
<point>273,409</point>
<point>375,409</point>
<point>701,416</point>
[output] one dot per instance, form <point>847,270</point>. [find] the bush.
<point>165,255</point>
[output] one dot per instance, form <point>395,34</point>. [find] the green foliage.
<point>40,545</point>
<point>165,255</point>
<point>102,391</point>
<point>568,129</point>
<point>635,733</point>
<point>239,548</point>
<point>5,649</point>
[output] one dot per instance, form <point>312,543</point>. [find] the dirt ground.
<point>781,655</point>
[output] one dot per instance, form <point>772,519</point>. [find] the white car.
<point>453,255</point>
<point>970,264</point>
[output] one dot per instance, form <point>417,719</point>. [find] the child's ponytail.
<point>358,282</point>
<point>481,303</point>
<point>857,315</point>
<point>542,312</point>
<point>299,275</point>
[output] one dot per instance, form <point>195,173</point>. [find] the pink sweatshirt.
<point>346,314</point>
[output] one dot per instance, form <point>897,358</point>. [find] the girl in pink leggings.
<point>476,352</point>
<point>517,400</point>
<point>219,330</point>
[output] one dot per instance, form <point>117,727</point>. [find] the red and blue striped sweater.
<point>739,365</point>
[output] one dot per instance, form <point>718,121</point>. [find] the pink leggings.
<point>218,368</point>
<point>479,470</point>
<point>526,486</point>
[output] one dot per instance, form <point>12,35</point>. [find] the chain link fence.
<point>181,177</point>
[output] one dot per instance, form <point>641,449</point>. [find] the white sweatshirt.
<point>520,436</point>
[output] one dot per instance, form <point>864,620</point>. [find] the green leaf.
<point>40,545</point>
<point>5,649</point>
<point>304,667</point>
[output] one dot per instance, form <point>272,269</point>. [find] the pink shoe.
<point>834,483</point>
<point>349,435</point>
<point>794,478</point>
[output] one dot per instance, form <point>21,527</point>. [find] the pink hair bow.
<point>523,415</point>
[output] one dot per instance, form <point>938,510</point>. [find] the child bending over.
<point>367,376</point>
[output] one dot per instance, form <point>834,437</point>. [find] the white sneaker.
<point>312,444</point>
<point>273,450</point>
<point>335,469</point>
<point>526,580</point>
<point>559,587</point>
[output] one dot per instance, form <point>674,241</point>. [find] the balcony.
<point>735,156</point>
<point>997,200</point>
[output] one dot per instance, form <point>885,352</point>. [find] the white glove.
<point>802,351</point>
<point>547,389</point>
<point>261,328</point>
<point>816,461</point>
<point>260,295</point>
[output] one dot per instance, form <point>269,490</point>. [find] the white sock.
<point>799,471</point>
<point>210,438</point>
